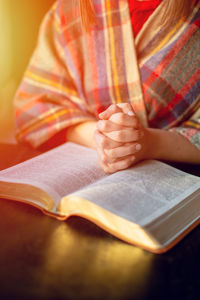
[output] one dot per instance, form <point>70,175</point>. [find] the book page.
<point>58,172</point>
<point>143,193</point>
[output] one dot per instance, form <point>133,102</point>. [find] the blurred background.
<point>19,25</point>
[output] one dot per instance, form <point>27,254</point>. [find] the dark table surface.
<point>43,258</point>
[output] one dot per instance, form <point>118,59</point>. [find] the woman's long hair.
<point>175,9</point>
<point>87,13</point>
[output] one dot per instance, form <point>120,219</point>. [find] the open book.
<point>151,205</point>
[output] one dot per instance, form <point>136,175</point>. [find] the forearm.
<point>164,145</point>
<point>83,134</point>
<point>171,146</point>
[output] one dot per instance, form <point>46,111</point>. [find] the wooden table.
<point>42,258</point>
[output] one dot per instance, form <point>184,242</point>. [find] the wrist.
<point>149,144</point>
<point>83,134</point>
<point>155,148</point>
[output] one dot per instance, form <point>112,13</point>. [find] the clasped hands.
<point>121,140</point>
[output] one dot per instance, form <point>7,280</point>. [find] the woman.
<point>123,78</point>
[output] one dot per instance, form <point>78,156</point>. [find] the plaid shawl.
<point>74,75</point>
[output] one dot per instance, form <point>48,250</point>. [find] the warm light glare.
<point>95,258</point>
<point>19,25</point>
<point>5,45</point>
<point>6,65</point>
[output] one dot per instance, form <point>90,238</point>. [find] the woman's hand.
<point>120,138</point>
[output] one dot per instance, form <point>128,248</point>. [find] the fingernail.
<point>138,147</point>
<point>130,113</point>
<point>100,124</point>
<point>132,158</point>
